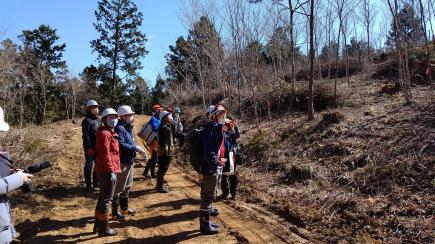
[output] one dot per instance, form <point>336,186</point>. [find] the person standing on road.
<point>90,125</point>
<point>211,168</point>
<point>10,180</point>
<point>154,145</point>
<point>229,176</point>
<point>128,148</point>
<point>166,146</point>
<point>178,126</point>
<point>108,165</point>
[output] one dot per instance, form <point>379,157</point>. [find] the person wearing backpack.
<point>154,145</point>
<point>90,125</point>
<point>166,146</point>
<point>211,167</point>
<point>229,176</point>
<point>128,150</point>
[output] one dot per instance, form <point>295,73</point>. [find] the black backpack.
<point>194,140</point>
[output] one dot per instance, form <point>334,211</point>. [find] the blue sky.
<point>73,20</point>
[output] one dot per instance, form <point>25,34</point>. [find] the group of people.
<point>110,152</point>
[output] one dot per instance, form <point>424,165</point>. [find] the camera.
<point>33,169</point>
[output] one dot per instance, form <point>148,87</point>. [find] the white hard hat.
<point>125,109</point>
<point>163,114</point>
<point>218,109</point>
<point>210,109</point>
<point>91,103</point>
<point>108,111</point>
<point>3,125</point>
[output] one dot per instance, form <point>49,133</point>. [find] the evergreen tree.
<point>410,27</point>
<point>43,55</point>
<point>121,44</point>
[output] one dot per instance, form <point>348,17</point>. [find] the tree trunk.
<point>311,78</point>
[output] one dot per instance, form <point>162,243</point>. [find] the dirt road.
<point>64,213</point>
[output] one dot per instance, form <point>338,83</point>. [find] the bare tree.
<point>367,15</point>
<point>402,51</point>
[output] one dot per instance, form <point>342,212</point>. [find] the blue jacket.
<point>155,122</point>
<point>126,142</point>
<point>212,141</point>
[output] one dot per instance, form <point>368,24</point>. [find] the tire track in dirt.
<point>160,218</point>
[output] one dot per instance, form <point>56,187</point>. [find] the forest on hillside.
<point>252,53</point>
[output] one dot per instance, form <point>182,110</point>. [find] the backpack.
<point>147,134</point>
<point>194,140</point>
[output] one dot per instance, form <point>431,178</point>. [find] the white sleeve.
<point>10,183</point>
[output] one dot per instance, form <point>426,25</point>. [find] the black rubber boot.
<point>160,185</point>
<point>153,171</point>
<point>125,210</point>
<point>116,215</point>
<point>206,227</point>
<point>146,170</point>
<point>95,182</point>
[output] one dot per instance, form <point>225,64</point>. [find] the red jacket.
<point>107,151</point>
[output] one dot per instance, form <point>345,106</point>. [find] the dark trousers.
<point>107,190</point>
<point>90,178</point>
<point>164,162</point>
<point>151,164</point>
<point>229,184</point>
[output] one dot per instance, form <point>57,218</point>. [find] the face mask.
<point>130,120</point>
<point>170,119</point>
<point>221,121</point>
<point>112,123</point>
<point>94,111</point>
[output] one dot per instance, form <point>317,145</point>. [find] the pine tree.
<point>410,27</point>
<point>121,44</point>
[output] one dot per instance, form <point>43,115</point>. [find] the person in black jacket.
<point>211,168</point>
<point>166,146</point>
<point>229,177</point>
<point>90,125</point>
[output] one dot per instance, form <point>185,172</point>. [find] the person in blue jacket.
<point>154,145</point>
<point>10,180</point>
<point>128,150</point>
<point>211,168</point>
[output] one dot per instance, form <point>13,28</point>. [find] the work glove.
<point>113,178</point>
<point>90,152</point>
<point>145,157</point>
<point>139,149</point>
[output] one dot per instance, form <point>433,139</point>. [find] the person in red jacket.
<point>108,164</point>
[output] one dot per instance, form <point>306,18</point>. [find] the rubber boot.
<point>104,229</point>
<point>96,222</point>
<point>123,203</point>
<point>214,212</point>
<point>116,215</point>
<point>160,186</point>
<point>153,171</point>
<point>89,184</point>
<point>95,182</point>
<point>223,196</point>
<point>145,172</point>
<point>206,227</point>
